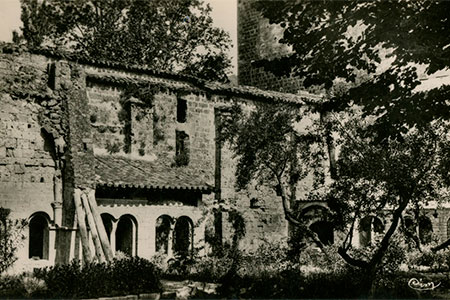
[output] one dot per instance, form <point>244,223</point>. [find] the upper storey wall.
<point>27,166</point>
<point>257,39</point>
<point>154,129</point>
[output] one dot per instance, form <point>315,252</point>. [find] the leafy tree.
<point>385,41</point>
<point>270,148</point>
<point>393,142</point>
<point>166,35</point>
<point>11,235</point>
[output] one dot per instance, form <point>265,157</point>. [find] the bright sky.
<point>224,15</point>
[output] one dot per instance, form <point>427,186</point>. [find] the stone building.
<point>100,158</point>
<point>258,40</point>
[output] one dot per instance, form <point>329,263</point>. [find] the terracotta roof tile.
<point>175,80</point>
<point>123,172</point>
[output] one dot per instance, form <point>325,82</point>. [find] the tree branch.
<point>352,261</point>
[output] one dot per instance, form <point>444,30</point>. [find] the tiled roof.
<point>116,171</point>
<point>211,87</point>
<point>182,79</point>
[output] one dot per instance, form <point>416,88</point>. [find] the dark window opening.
<point>254,203</point>
<point>38,238</point>
<point>448,229</point>
<point>181,110</point>
<point>324,231</point>
<point>107,222</point>
<point>162,234</point>
<point>181,148</point>
<point>183,236</point>
<point>124,236</point>
<point>425,230</point>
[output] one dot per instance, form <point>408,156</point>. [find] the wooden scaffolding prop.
<point>86,210</point>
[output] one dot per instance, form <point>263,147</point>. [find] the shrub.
<point>12,287</point>
<point>120,277</point>
<point>210,268</point>
<point>434,261</point>
<point>11,236</point>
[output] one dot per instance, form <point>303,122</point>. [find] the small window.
<point>38,237</point>
<point>254,203</point>
<point>181,110</point>
<point>182,148</point>
<point>425,230</point>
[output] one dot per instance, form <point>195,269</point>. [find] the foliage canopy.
<point>391,139</point>
<point>377,47</point>
<point>166,35</point>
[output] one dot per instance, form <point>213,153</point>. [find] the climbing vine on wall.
<point>141,94</point>
<point>11,236</point>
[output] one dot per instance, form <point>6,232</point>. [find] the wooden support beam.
<point>100,227</point>
<point>93,227</point>
<point>82,225</point>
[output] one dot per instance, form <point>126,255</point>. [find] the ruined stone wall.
<point>258,205</point>
<point>257,39</point>
<point>27,165</point>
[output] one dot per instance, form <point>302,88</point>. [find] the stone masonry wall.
<point>257,39</point>
<point>55,118</point>
<point>27,165</point>
<point>153,128</point>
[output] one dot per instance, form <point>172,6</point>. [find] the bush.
<point>11,236</point>
<point>294,284</point>
<point>21,286</point>
<point>12,287</point>
<point>120,277</point>
<point>434,261</point>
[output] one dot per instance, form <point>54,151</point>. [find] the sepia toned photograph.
<point>224,149</point>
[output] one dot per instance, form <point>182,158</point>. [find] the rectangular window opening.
<point>181,148</point>
<point>181,110</point>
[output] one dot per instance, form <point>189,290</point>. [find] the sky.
<point>224,14</point>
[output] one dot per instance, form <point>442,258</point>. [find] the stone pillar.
<point>134,240</point>
<point>147,237</point>
<point>113,237</point>
<point>51,245</point>
<point>57,213</point>
<point>58,198</point>
<point>170,240</point>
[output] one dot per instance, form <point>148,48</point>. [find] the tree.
<point>11,235</point>
<point>271,149</point>
<point>364,55</point>
<point>386,41</point>
<point>165,35</point>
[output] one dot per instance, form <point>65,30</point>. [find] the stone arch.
<point>425,230</point>
<point>126,233</point>
<point>183,236</point>
<point>38,236</point>
<point>370,228</point>
<point>316,217</point>
<point>162,233</point>
<point>324,231</point>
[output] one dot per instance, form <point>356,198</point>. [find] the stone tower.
<point>257,39</point>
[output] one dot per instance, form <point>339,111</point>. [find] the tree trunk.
<point>330,144</point>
